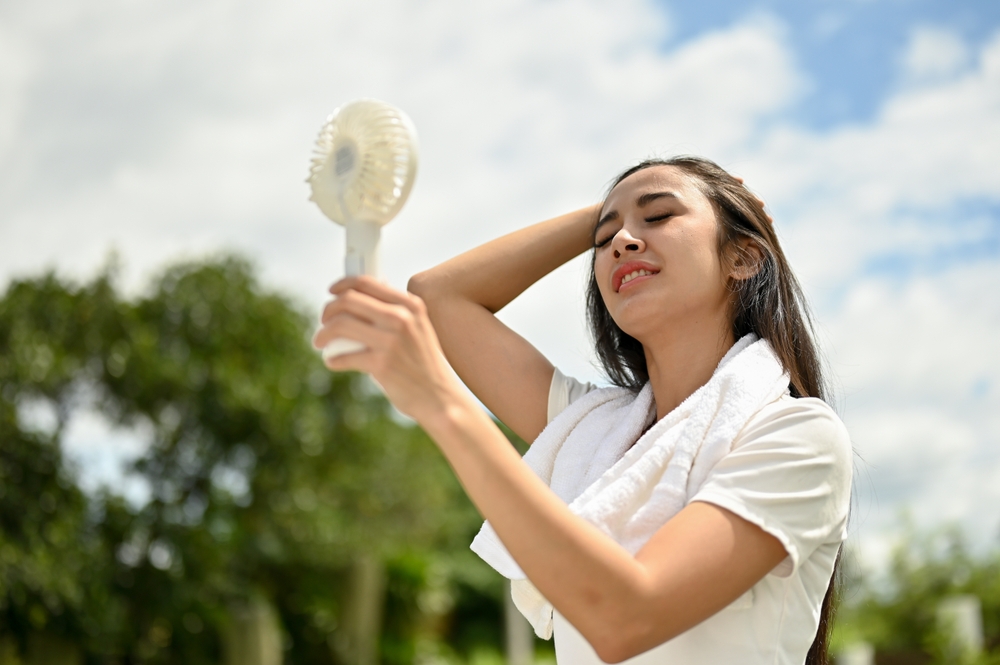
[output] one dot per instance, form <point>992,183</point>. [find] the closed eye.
<point>606,239</point>
<point>650,220</point>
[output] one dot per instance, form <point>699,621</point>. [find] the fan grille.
<point>364,162</point>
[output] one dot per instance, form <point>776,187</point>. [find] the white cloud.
<point>931,338</point>
<point>853,193</point>
<point>934,53</point>
<point>17,66</point>
<point>920,376</point>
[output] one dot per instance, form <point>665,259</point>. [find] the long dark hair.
<point>769,303</point>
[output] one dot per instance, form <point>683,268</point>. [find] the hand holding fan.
<point>361,173</point>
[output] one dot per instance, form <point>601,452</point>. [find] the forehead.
<point>654,179</point>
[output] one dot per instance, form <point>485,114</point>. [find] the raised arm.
<point>462,296</point>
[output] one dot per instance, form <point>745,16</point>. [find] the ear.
<point>745,259</point>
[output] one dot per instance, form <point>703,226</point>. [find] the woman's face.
<point>656,255</point>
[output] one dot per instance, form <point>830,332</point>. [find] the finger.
<point>759,201</point>
<point>343,305</point>
<point>763,207</point>
<point>369,285</point>
<point>360,361</point>
<point>349,327</point>
<point>369,309</point>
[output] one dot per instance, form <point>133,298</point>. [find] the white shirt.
<point>788,472</point>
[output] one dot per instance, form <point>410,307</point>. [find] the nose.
<point>624,241</point>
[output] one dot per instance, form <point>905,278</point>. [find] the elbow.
<point>611,654</point>
<point>616,649</point>
<point>619,641</point>
<point>419,284</point>
<point>426,285</point>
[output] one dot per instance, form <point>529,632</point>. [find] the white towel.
<point>596,458</point>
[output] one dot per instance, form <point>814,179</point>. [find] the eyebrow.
<point>640,202</point>
<point>645,199</point>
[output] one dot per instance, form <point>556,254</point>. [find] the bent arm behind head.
<point>502,369</point>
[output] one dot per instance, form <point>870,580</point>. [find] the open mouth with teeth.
<point>632,275</point>
<point>628,273</point>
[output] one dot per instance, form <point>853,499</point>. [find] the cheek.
<point>702,248</point>
<point>699,268</point>
<point>714,284</point>
<point>708,263</point>
<point>601,267</point>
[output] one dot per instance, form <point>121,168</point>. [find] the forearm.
<point>622,604</point>
<point>494,274</point>
<point>595,583</point>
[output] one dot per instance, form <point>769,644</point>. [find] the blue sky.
<point>980,219</point>
<point>871,128</point>
<point>850,49</point>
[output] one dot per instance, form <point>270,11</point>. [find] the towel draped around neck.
<point>596,457</point>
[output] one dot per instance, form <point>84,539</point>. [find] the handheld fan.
<point>361,173</point>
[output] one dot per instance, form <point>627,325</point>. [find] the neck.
<point>683,358</point>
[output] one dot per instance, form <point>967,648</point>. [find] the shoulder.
<point>789,471</point>
<point>805,424</point>
<point>794,447</point>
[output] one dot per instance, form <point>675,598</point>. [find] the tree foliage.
<point>267,473</point>
<point>897,612</point>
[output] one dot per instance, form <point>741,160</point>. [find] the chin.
<point>642,317</point>
<point>639,324</point>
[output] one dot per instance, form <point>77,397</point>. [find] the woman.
<point>707,493</point>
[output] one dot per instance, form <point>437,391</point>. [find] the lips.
<point>630,271</point>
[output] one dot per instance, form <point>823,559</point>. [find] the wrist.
<point>584,221</point>
<point>445,411</point>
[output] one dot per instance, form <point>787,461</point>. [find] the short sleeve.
<point>789,472</point>
<point>563,391</point>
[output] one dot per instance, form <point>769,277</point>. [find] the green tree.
<point>270,478</point>
<point>897,613</point>
<point>51,555</point>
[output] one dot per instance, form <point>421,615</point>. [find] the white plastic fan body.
<point>361,174</point>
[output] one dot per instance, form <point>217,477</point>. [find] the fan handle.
<point>362,248</point>
<point>361,259</point>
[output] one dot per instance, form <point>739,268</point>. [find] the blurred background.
<point>182,482</point>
